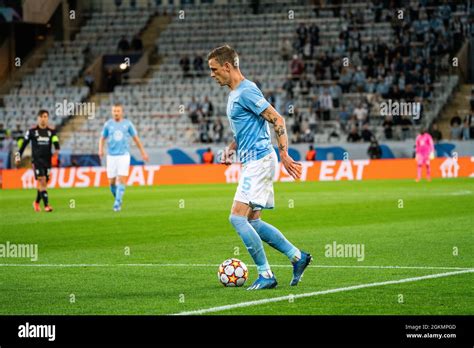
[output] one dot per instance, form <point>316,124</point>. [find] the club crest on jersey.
<point>118,135</point>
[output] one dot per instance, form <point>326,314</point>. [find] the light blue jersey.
<point>118,135</point>
<point>251,131</point>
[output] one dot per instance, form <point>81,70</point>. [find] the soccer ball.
<point>232,272</point>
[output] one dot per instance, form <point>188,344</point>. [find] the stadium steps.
<point>77,123</point>
<point>458,105</point>
<point>149,37</point>
<point>29,64</point>
<point>154,28</point>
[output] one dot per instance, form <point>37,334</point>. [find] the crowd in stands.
<point>9,138</point>
<point>197,66</point>
<point>403,69</point>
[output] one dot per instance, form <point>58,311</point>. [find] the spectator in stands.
<point>466,129</point>
<point>406,127</point>
<point>370,86</point>
<point>198,64</point>
<point>285,49</point>
<point>218,130</point>
<point>426,94</point>
<point>207,108</point>
<point>353,136</point>
<point>336,93</point>
<point>306,52</point>
<point>194,111</point>
<point>123,45</point>
<point>302,34</point>
<point>470,121</point>
<point>288,87</point>
<point>307,136</point>
<point>366,133</point>
<point>185,63</point>
<point>388,127</point>
<point>382,87</point>
<point>271,98</point>
<point>360,112</point>
<point>137,44</point>
<point>435,133</point>
<point>311,153</point>
<point>472,95</point>
<point>208,156</point>
<point>17,133</point>
<point>204,131</point>
<point>296,67</point>
<point>374,151</point>
<point>305,85</point>
<point>456,130</point>
<point>3,132</point>
<point>89,80</point>
<point>326,105</point>
<point>7,144</point>
<point>359,79</point>
<point>190,135</point>
<point>313,32</point>
<point>343,117</point>
<point>345,79</point>
<point>315,108</point>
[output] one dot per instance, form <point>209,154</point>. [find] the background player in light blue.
<point>249,116</point>
<point>118,131</point>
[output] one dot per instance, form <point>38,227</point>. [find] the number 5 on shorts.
<point>246,184</point>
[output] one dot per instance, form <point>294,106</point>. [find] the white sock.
<point>297,256</point>
<point>267,274</point>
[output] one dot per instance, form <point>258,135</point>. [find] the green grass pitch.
<point>177,236</point>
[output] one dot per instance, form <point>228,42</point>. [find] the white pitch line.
<point>72,265</point>
<point>317,293</point>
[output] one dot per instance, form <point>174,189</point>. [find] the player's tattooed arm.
<point>292,167</point>
<point>278,122</point>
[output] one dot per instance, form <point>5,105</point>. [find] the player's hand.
<point>226,157</point>
<point>101,153</point>
<point>17,159</point>
<point>145,157</point>
<point>292,167</point>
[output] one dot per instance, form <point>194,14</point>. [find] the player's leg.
<point>42,184</point>
<point>37,201</point>
<point>253,243</point>
<point>419,167</point>
<point>113,186</point>
<point>263,196</point>
<point>120,191</point>
<point>428,169</point>
<point>111,166</point>
<point>123,167</point>
<point>239,220</point>
<point>273,237</point>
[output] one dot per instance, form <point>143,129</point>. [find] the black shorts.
<point>41,171</point>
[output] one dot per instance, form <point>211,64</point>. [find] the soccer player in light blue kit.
<point>117,132</point>
<point>249,115</point>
